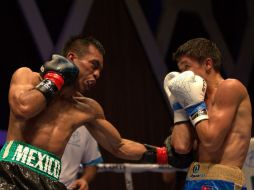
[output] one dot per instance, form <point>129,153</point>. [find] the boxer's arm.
<point>110,139</point>
<point>182,133</point>
<point>182,137</point>
<point>179,113</point>
<point>25,102</point>
<point>212,132</point>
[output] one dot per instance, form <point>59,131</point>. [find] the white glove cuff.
<point>180,116</point>
<point>198,119</point>
<point>197,113</point>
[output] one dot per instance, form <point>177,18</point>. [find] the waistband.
<point>208,171</point>
<point>36,159</point>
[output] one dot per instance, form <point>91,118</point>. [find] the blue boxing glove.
<point>189,90</point>
<point>179,112</point>
<point>55,73</point>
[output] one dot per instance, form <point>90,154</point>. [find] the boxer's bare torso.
<point>49,126</point>
<point>52,127</point>
<point>45,109</point>
<point>224,138</point>
<point>233,140</point>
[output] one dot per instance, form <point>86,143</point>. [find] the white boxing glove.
<point>189,90</point>
<point>179,112</point>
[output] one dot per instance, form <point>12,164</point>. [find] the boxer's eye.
<point>96,65</point>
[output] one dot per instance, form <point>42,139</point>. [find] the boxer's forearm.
<point>130,150</point>
<point>182,137</point>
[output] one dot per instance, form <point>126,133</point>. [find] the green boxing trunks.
<point>27,167</point>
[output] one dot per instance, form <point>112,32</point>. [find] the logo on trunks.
<point>37,160</point>
<point>195,168</point>
<point>196,171</point>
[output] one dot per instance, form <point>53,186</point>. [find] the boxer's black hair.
<point>200,49</point>
<point>79,44</point>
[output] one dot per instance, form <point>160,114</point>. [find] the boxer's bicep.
<point>225,107</point>
<point>23,99</point>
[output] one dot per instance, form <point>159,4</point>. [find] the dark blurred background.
<point>139,37</point>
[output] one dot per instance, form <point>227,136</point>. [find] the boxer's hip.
<point>214,177</point>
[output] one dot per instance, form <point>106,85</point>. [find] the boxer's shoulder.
<point>232,85</point>
<point>231,82</point>
<point>23,70</point>
<point>88,105</point>
<point>24,73</point>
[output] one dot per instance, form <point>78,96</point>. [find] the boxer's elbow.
<point>26,109</point>
<point>22,112</point>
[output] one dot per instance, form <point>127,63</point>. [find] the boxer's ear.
<point>71,56</point>
<point>208,64</point>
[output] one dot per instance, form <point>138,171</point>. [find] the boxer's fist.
<point>189,90</point>
<point>55,73</point>
<point>62,67</point>
<point>179,112</point>
<point>166,155</point>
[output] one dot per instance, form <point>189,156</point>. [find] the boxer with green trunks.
<point>46,107</point>
<point>26,167</point>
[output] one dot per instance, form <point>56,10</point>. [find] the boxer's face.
<point>90,66</point>
<point>186,63</point>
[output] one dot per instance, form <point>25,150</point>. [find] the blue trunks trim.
<point>210,185</point>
